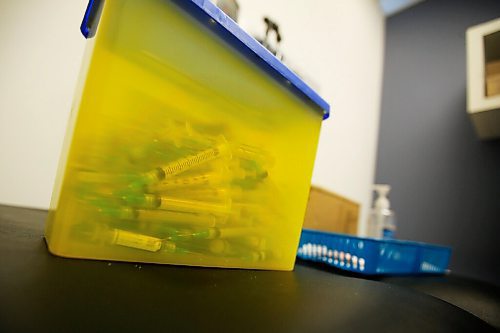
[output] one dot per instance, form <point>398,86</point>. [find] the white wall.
<point>337,43</point>
<point>40,59</point>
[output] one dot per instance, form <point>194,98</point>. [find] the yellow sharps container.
<point>188,143</point>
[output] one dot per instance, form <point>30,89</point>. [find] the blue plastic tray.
<point>372,256</point>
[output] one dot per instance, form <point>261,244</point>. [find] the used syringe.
<point>161,216</point>
<point>176,218</point>
<point>135,240</point>
<point>204,179</point>
<point>222,233</point>
<point>183,164</point>
<point>152,201</point>
<point>208,194</point>
<point>222,247</point>
<point>193,206</point>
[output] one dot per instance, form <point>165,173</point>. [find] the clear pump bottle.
<point>382,220</point>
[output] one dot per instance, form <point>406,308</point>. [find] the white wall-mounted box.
<point>483,77</point>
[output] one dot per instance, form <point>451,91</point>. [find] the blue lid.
<point>216,20</point>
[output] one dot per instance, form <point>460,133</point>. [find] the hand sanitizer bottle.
<point>382,222</point>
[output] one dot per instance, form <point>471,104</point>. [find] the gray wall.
<point>446,183</point>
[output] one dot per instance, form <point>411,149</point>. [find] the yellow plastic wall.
<point>180,150</point>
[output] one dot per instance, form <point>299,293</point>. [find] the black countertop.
<point>40,292</point>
